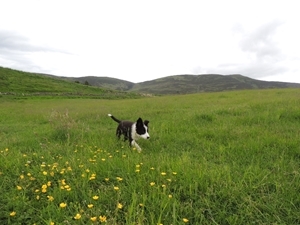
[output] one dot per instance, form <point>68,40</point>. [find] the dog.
<point>132,131</point>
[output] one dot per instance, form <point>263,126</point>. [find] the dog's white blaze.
<point>145,135</point>
<point>135,136</point>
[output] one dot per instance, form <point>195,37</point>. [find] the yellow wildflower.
<point>77,217</point>
<point>152,183</point>
<point>95,197</point>
<point>163,173</point>
<point>63,205</point>
<point>185,220</point>
<point>50,198</point>
<point>19,187</point>
<point>94,218</point>
<point>119,178</point>
<point>90,206</point>
<point>116,188</point>
<point>92,178</point>
<point>120,206</point>
<point>102,219</point>
<point>13,213</point>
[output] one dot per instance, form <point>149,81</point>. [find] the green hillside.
<point>185,84</point>
<point>106,82</point>
<point>14,82</point>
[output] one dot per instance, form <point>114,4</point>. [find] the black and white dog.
<point>132,131</point>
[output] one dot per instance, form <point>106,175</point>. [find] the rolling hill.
<point>184,84</point>
<point>14,81</point>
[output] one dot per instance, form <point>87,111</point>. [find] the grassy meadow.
<point>213,158</point>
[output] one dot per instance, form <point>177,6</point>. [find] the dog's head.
<point>142,128</point>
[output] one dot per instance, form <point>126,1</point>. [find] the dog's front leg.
<point>134,144</point>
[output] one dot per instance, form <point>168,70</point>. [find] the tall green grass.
<point>213,158</point>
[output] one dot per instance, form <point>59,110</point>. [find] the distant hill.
<point>106,82</point>
<point>184,84</point>
<point>14,82</point>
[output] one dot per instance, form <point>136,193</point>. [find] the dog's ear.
<point>139,121</point>
<point>146,122</point>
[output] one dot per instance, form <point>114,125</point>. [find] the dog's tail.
<point>114,118</point>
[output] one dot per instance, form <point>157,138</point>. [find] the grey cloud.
<point>15,51</point>
<point>252,69</point>
<point>266,58</point>
<point>261,42</point>
<point>14,42</point>
<point>10,41</point>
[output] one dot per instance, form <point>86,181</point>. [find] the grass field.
<point>213,158</point>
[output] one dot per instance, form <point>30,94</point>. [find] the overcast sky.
<point>144,40</point>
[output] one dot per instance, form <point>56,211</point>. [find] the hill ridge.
<point>20,83</point>
<point>173,84</point>
<point>188,83</point>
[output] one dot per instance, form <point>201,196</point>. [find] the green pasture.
<point>213,158</point>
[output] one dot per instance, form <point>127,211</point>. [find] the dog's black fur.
<point>132,131</point>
